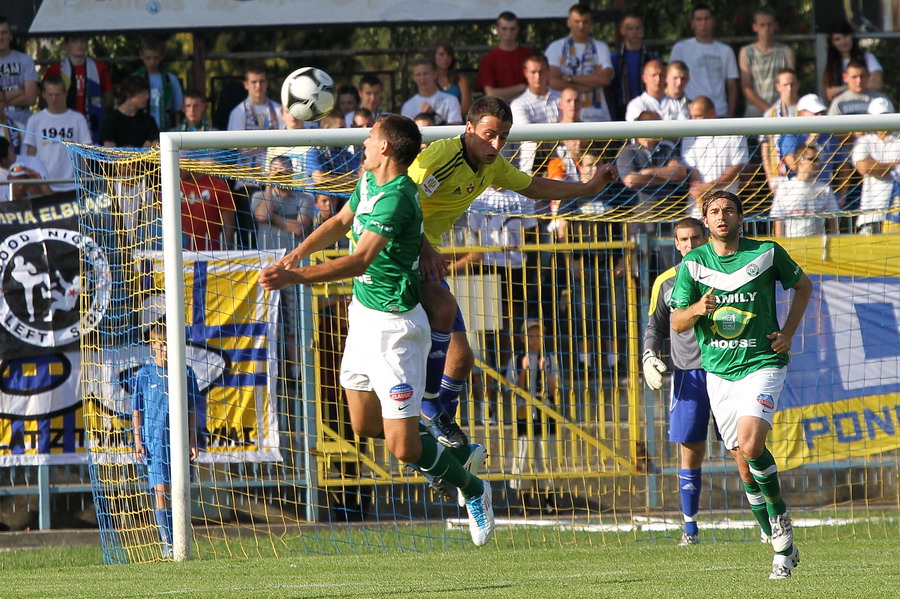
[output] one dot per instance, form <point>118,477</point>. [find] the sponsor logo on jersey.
<point>457,191</point>
<point>430,185</point>
<point>732,343</point>
<point>400,392</point>
<point>766,400</point>
<point>729,322</point>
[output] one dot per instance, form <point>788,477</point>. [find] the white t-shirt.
<point>710,66</point>
<point>876,193</point>
<point>15,69</point>
<point>445,106</point>
<point>669,109</point>
<point>264,117</point>
<point>49,131</point>
<point>794,198</point>
<point>580,59</point>
<point>711,156</point>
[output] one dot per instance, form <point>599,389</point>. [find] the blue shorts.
<point>459,325</point>
<point>688,407</point>
<point>159,468</point>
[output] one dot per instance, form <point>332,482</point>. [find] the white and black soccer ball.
<point>308,94</point>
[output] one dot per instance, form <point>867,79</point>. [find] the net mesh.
<point>577,445</point>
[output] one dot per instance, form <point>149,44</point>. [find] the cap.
<point>530,323</point>
<point>880,105</point>
<point>811,103</point>
<point>18,170</point>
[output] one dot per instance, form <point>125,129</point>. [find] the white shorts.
<point>385,352</point>
<point>754,395</point>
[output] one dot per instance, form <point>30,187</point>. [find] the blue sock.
<point>164,523</point>
<point>434,371</point>
<point>689,484</point>
<point>448,398</point>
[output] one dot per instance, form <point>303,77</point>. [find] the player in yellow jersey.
<point>451,173</point>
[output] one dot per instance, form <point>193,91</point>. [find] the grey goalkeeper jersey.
<point>685,352</point>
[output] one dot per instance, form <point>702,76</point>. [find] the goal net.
<point>555,295</point>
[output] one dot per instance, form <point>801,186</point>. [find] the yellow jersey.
<point>448,183</point>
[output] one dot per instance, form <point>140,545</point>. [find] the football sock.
<point>164,522</point>
<point>441,463</point>
<point>690,483</point>
<point>765,472</point>
<point>448,398</point>
<point>434,372</point>
<point>758,506</point>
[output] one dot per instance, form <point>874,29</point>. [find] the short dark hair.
<point>255,66</point>
<point>581,8</point>
<point>766,11</point>
<point>786,71</point>
<point>350,90</point>
<point>680,65</point>
<point>132,86</point>
<point>489,106</point>
<point>507,15</point>
<point>370,80</point>
<point>423,60</point>
<point>403,135</point>
<point>53,80</point>
<point>702,6</point>
<point>152,43</point>
<point>196,94</point>
<point>857,64</point>
<point>721,194</point>
<point>536,57</point>
<point>426,116</point>
<point>686,222</point>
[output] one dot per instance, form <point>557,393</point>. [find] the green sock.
<point>765,472</point>
<point>758,506</point>
<point>444,465</point>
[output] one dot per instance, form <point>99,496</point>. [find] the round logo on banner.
<point>46,275</point>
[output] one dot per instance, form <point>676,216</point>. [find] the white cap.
<point>880,105</point>
<point>529,324</point>
<point>811,103</point>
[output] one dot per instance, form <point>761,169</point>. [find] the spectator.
<point>535,371</point>
<point>428,98</point>
<point>829,154</point>
<point>18,77</point>
<point>761,61</point>
<point>257,112</point>
<point>855,99</point>
<point>194,107</point>
<point>90,89</point>
<point>129,125</point>
<point>363,119</point>
<point>9,129</point>
<point>297,154</point>
<point>712,65</point>
<point>772,147</point>
<point>716,161</point>
<point>283,210</point>
<point>843,48</point>
<point>347,99</point>
<point>675,106</point>
<point>13,167</point>
<point>207,212</point>
<point>804,196</point>
<point>425,119</point>
<point>654,96</point>
<point>580,61</point>
<point>449,79</point>
<point>876,156</point>
<point>567,164</point>
<point>166,98</point>
<point>52,126</point>
<point>332,164</point>
<point>500,72</point>
<point>537,104</point>
<point>150,421</point>
<point>628,62</point>
<point>370,90</point>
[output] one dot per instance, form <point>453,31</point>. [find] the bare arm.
<point>747,83</point>
<point>329,233</point>
<point>507,93</point>
<point>684,319</point>
<point>873,168</point>
<point>583,83</point>
<point>24,97</point>
<point>731,87</point>
<point>781,340</point>
<point>550,189</point>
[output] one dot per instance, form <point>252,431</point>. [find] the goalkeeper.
<point>689,403</point>
<point>451,173</point>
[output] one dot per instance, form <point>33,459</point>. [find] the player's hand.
<point>194,453</point>
<point>707,303</point>
<point>781,342</point>
<point>653,369</point>
<point>526,362</point>
<point>140,452</point>
<point>604,174</point>
<point>276,277</point>
<point>432,264</point>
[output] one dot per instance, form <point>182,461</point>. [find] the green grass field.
<point>855,567</point>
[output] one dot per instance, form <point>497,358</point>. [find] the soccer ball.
<point>308,94</point>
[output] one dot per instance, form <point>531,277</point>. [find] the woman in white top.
<point>842,48</point>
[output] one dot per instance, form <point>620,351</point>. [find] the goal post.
<point>587,288</point>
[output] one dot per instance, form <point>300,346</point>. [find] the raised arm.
<point>550,189</point>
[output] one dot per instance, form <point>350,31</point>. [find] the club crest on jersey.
<point>471,187</point>
<point>766,401</point>
<point>400,392</point>
<point>752,269</point>
<point>46,273</point>
<point>729,322</point>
